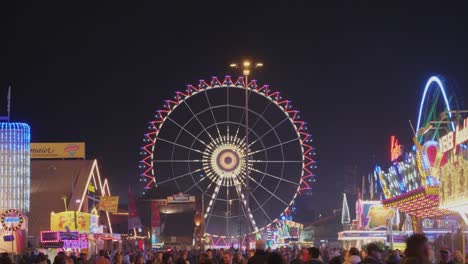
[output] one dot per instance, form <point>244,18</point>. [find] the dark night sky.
<point>356,70</point>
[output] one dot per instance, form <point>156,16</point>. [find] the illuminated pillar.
<point>15,166</point>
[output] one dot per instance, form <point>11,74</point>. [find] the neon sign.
<point>454,138</point>
<point>11,220</point>
<point>395,148</point>
<point>75,243</point>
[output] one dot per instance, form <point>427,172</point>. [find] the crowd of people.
<point>418,251</point>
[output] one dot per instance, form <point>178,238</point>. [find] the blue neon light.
<point>442,88</point>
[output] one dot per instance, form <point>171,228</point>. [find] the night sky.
<point>356,70</point>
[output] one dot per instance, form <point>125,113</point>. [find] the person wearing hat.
<point>445,256</point>
<point>374,254</point>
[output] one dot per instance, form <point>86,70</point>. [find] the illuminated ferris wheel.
<point>197,145</point>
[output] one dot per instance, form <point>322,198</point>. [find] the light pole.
<point>246,67</point>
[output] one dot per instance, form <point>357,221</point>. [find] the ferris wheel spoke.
<point>175,161</point>
<point>274,176</point>
<point>180,176</point>
<point>179,145</point>
<point>212,202</point>
<point>212,113</point>
<point>271,129</point>
<point>247,211</point>
<point>276,161</point>
<point>195,184</point>
<point>196,117</point>
<point>261,116</point>
<point>188,132</point>
<point>270,192</point>
<point>274,146</point>
<point>261,207</point>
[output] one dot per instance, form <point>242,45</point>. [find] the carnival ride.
<point>412,182</point>
<point>197,145</point>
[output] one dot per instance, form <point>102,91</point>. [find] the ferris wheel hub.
<point>224,161</point>
<point>228,160</point>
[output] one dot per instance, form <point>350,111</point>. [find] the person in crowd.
<point>445,256</point>
<point>40,259</point>
<point>275,258</point>
<point>250,253</point>
<point>418,250</point>
<point>118,258</point>
<point>239,259</point>
<point>158,258</point>
<point>140,259</point>
<point>374,254</point>
<point>227,258</point>
<point>362,254</point>
<point>101,259</point>
<point>457,257</point>
<point>313,256</point>
<point>126,258</point>
<point>393,257</point>
<point>353,256</point>
<point>167,258</point>
<point>60,258</point>
<point>297,259</point>
<point>260,254</point>
<point>209,252</point>
<point>82,259</point>
<point>205,259</point>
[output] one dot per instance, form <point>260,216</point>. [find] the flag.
<point>155,218</point>
<point>109,203</point>
<point>91,188</point>
<point>133,218</point>
<point>9,100</point>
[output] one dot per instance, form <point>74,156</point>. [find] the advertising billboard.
<point>54,150</point>
<point>70,219</point>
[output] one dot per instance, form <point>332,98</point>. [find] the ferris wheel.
<point>197,145</point>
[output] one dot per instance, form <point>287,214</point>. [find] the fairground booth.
<point>373,223</point>
<point>71,205</point>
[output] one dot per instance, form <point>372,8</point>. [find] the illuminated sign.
<point>453,184</point>
<point>454,138</point>
<point>181,197</point>
<point>66,150</point>
<point>11,220</point>
<point>75,243</point>
<point>395,148</point>
<point>70,219</point>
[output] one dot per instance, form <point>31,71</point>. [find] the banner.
<point>72,220</point>
<point>66,150</point>
<point>133,218</point>
<point>109,203</point>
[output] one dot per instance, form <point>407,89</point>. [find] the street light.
<point>246,67</point>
